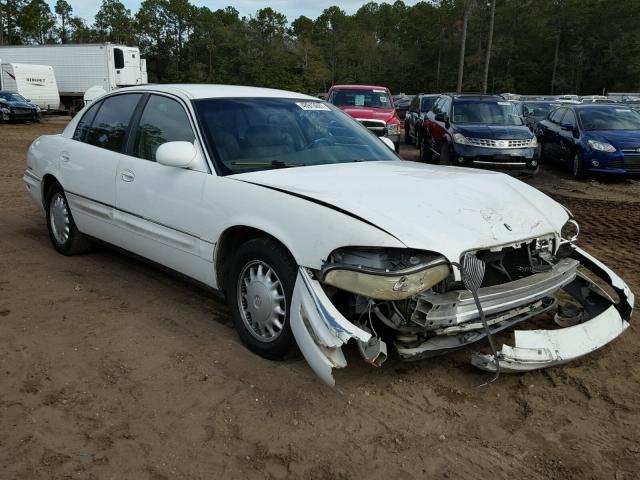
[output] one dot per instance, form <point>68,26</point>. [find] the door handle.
<point>64,156</point>
<point>127,175</point>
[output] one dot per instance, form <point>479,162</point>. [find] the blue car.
<point>592,139</point>
<point>481,131</point>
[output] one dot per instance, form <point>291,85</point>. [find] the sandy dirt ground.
<point>113,368</point>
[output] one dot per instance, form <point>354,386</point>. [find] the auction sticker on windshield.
<point>312,106</point>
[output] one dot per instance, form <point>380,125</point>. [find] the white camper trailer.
<point>79,67</point>
<point>34,82</point>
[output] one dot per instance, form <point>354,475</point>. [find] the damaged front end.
<point>417,302</point>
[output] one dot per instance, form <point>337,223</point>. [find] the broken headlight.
<point>384,274</point>
<point>570,231</point>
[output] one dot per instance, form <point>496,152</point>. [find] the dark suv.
<point>477,131</point>
<point>418,109</point>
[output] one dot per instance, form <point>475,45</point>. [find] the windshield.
<point>251,134</point>
<point>537,109</point>
<point>609,119</point>
<point>12,97</point>
<point>374,98</point>
<point>488,113</point>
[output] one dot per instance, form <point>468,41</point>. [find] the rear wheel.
<point>259,290</point>
<point>578,165</point>
<point>63,232</point>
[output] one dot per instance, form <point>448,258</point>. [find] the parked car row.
<point>488,131</point>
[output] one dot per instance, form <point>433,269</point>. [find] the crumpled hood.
<point>617,138</point>
<point>365,113</point>
<point>494,132</point>
<point>444,209</point>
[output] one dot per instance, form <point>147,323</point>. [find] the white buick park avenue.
<point>318,234</point>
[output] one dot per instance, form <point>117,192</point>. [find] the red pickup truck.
<point>371,106</point>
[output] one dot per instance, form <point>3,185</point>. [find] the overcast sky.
<point>291,8</point>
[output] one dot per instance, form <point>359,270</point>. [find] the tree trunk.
<point>463,43</point>
<point>487,58</point>
<point>555,64</point>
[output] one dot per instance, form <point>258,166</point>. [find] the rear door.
<point>89,163</point>
<point>160,207</point>
<point>550,133</point>
<point>566,138</point>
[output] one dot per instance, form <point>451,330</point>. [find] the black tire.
<point>275,256</point>
<point>407,137</point>
<point>75,242</point>
<point>418,138</point>
<point>396,147</point>
<point>578,165</point>
<point>426,155</point>
<point>445,154</point>
<point>541,153</point>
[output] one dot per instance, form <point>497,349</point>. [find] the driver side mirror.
<point>176,154</point>
<point>441,117</point>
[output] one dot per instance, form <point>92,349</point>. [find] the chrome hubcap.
<point>261,301</point>
<point>59,217</point>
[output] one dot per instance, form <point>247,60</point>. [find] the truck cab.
<point>372,106</point>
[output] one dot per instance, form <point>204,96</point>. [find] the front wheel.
<point>540,152</point>
<point>578,165</point>
<point>426,155</point>
<point>445,154</point>
<point>259,290</point>
<point>407,137</point>
<point>63,232</point>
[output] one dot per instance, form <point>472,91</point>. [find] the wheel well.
<point>230,240</point>
<point>47,182</point>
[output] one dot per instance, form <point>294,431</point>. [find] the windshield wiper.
<point>273,163</point>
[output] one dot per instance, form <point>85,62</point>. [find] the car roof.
<point>595,106</point>
<point>474,96</point>
<point>198,91</point>
<point>358,87</point>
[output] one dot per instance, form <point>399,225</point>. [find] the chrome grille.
<point>630,150</point>
<point>376,126</point>
<point>491,143</point>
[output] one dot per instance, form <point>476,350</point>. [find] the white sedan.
<point>318,234</point>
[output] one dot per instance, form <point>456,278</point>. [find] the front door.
<point>160,207</point>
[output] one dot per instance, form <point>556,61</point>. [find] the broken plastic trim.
<point>536,349</point>
<point>320,329</point>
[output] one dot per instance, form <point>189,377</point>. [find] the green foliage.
<point>407,48</point>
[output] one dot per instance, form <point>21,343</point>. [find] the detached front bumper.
<point>321,330</point>
<point>544,348</point>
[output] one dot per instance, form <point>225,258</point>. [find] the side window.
<point>556,115</point>
<point>569,118</point>
<point>111,123</point>
<point>414,104</point>
<point>85,122</point>
<point>437,105</point>
<point>118,58</point>
<point>163,120</point>
<point>446,106</point>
